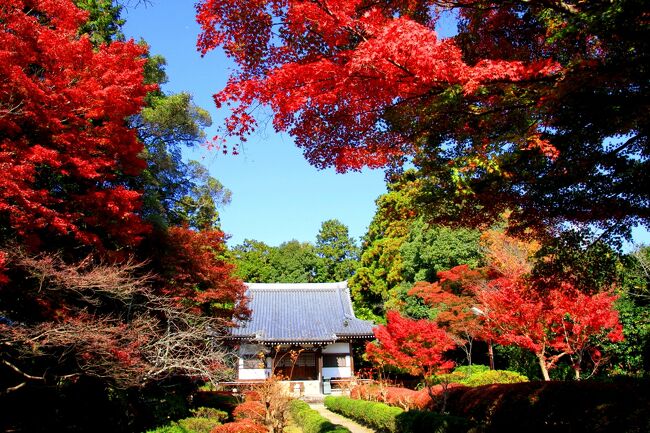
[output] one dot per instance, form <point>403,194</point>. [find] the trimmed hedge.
<point>390,419</point>
<point>559,407</point>
<point>310,421</point>
<point>403,398</point>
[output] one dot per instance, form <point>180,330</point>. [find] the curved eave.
<point>339,338</point>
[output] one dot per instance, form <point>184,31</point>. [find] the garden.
<point>505,263</point>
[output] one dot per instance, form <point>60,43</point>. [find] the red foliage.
<point>3,262</point>
<point>417,346</point>
<point>454,310</point>
<point>63,139</point>
<point>395,396</point>
<point>317,74</point>
<point>240,426</point>
<point>252,409</point>
<point>562,322</point>
<point>557,406</point>
<point>197,273</point>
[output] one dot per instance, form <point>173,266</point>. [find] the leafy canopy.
<point>538,107</point>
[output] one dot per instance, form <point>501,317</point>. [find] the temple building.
<point>303,333</point>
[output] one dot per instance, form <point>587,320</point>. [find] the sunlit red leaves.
<point>64,140</point>
<point>501,303</point>
<point>561,322</point>
<point>417,346</point>
<point>453,307</point>
<point>337,67</point>
<point>252,409</point>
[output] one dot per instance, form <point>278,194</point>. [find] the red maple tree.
<point>75,302</point>
<point>416,346</point>
<point>556,323</point>
<point>453,307</point>
<point>535,106</point>
<point>64,141</point>
<point>195,273</point>
<point>318,74</point>
<point>560,323</point>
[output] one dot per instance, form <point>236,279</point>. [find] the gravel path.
<point>353,426</point>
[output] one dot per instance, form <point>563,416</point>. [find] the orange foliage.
<point>240,426</point>
<point>196,272</point>
<point>397,396</point>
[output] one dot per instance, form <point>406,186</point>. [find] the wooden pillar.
<point>351,359</point>
<point>319,355</point>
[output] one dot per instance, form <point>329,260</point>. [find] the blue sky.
<point>277,195</point>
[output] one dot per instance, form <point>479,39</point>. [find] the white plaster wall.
<point>337,371</point>
<point>337,348</point>
<point>312,387</point>
<point>254,373</point>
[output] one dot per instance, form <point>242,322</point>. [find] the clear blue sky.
<point>277,195</point>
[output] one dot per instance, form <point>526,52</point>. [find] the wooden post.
<point>351,359</point>
<point>319,355</point>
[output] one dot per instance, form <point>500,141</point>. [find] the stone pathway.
<point>353,426</point>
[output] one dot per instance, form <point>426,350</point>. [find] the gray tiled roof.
<point>315,312</point>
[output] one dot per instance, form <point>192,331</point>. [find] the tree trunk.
<point>542,364</point>
<point>491,354</point>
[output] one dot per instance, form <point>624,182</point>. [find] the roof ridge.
<point>297,286</point>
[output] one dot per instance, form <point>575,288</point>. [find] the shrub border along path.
<point>351,425</point>
<point>390,419</point>
<point>310,420</point>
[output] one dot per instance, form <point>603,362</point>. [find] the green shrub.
<point>420,421</point>
<point>199,424</point>
<point>494,376</point>
<point>310,421</point>
<point>384,418</point>
<point>189,425</point>
<point>210,412</point>
<point>477,375</point>
<point>378,416</point>
<point>466,371</point>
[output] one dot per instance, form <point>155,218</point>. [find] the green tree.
<point>295,262</point>
<point>401,248</point>
<point>380,267</point>
<point>290,262</point>
<point>175,192</point>
<point>589,266</point>
<point>253,260</point>
<point>632,356</point>
<point>338,252</point>
<point>104,23</point>
<point>429,249</point>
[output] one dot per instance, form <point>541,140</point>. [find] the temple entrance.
<point>305,367</point>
